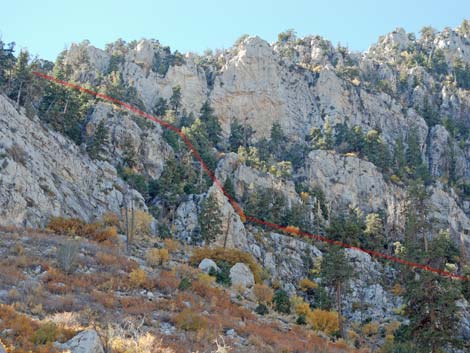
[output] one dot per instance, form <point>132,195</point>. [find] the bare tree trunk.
<point>226,232</point>
<point>338,307</point>
<point>19,96</point>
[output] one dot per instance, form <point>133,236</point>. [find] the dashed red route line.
<point>234,204</point>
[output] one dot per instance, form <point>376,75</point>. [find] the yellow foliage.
<point>231,256</point>
<point>205,279</point>
<point>263,293</point>
<point>171,245</point>
<point>305,285</point>
<point>302,309</point>
<point>398,289</point>
<point>190,320</point>
<point>304,196</point>
<point>370,329</point>
<point>110,219</point>
<point>145,343</point>
<point>137,277</point>
<point>143,220</point>
<point>155,257</point>
<point>392,327</point>
<point>322,320</point>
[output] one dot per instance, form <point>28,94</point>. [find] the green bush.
<point>281,302</point>
<point>261,309</point>
<point>185,283</point>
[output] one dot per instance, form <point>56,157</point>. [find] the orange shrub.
<point>76,227</point>
<point>322,320</point>
<point>232,256</point>
<point>263,293</point>
<point>171,245</point>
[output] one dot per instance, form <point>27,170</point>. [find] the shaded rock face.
<point>85,342</point>
<point>44,174</point>
<point>241,275</point>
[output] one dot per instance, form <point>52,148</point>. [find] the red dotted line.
<point>235,205</point>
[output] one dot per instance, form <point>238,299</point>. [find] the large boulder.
<point>241,275</point>
<point>207,264</point>
<point>85,342</point>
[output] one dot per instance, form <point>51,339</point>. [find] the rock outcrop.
<point>85,342</point>
<point>44,174</point>
<point>241,275</point>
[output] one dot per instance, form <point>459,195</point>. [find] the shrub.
<point>189,320</point>
<point>67,256</point>
<point>263,293</point>
<point>301,320</point>
<point>185,283</point>
<point>281,301</point>
<point>156,257</point>
<point>46,333</point>
<point>231,256</point>
<point>322,320</point>
<point>307,285</point>
<point>137,278</point>
<point>171,245</point>
<point>370,329</point>
<point>76,227</point>
<point>143,221</point>
<point>110,219</point>
<point>398,289</point>
<point>261,309</point>
<point>17,153</point>
<point>222,276</point>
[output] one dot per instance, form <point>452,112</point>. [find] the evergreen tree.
<point>278,141</point>
<point>100,139</point>
<point>211,123</point>
<point>336,271</point>
<point>21,78</point>
<point>175,99</point>
<point>417,208</point>
<point>399,159</point>
<point>210,219</point>
<point>430,299</point>
<point>7,61</point>
<point>413,153</point>
<point>240,135</point>
<point>129,154</point>
<point>160,107</point>
<point>228,187</point>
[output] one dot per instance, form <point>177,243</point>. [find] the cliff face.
<point>44,174</point>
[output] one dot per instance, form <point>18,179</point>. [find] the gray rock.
<point>85,342</point>
<point>207,264</point>
<point>240,274</point>
<point>2,348</point>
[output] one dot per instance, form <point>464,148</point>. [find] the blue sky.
<point>46,27</point>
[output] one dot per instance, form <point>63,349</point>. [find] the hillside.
<point>109,220</point>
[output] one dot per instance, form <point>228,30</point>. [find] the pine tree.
<point>336,271</point>
<point>399,159</point>
<point>21,78</point>
<point>228,187</point>
<point>175,99</point>
<point>211,123</point>
<point>210,219</point>
<point>430,299</point>
<point>240,135</point>
<point>98,143</point>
